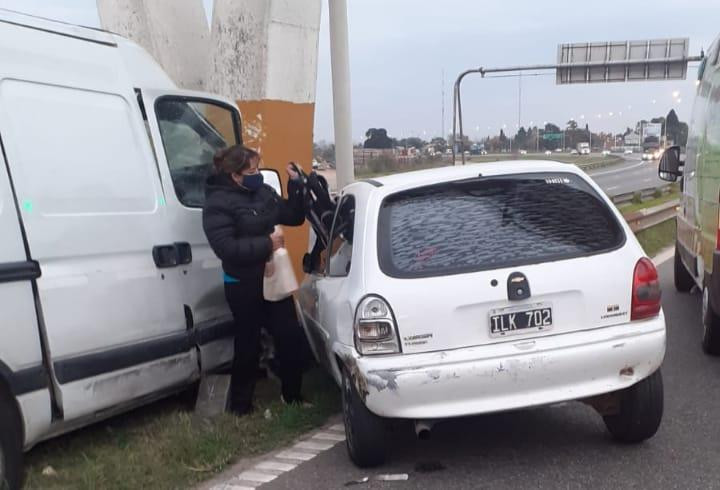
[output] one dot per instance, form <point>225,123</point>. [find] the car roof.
<point>420,178</point>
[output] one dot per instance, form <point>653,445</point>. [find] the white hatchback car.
<point>475,289</point>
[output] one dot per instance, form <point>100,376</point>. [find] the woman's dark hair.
<point>233,159</point>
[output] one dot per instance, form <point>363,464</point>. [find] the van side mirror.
<point>272,178</point>
<point>671,167</point>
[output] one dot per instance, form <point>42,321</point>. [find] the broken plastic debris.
<point>357,482</point>
<point>49,471</point>
<point>394,477</point>
<point>267,414</point>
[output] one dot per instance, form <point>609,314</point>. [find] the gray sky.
<point>399,48</point>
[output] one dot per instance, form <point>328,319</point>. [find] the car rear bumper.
<point>509,375</point>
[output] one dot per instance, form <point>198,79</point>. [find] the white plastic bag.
<point>282,282</point>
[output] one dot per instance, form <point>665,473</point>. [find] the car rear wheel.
<point>640,413</point>
<point>711,326</point>
<point>364,431</point>
<point>10,446</point>
<point>684,282</point>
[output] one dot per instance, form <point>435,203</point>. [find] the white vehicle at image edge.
<point>109,292</point>
<point>476,289</point>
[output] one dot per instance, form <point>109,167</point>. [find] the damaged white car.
<point>483,288</point>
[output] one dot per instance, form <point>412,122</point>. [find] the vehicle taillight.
<point>375,327</point>
<point>645,291</point>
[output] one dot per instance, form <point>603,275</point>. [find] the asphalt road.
<point>562,446</point>
<point>629,176</point>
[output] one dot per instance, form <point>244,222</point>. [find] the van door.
<point>187,129</point>
<point>94,214</point>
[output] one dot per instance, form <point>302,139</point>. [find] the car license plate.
<point>515,321</point>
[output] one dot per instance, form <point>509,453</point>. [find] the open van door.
<point>187,128</point>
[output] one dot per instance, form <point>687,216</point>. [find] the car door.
<point>92,206</point>
<point>187,129</point>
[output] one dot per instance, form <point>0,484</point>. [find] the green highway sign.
<point>552,136</point>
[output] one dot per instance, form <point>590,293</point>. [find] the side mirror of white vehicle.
<point>272,178</point>
<point>671,167</point>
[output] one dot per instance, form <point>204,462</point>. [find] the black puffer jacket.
<point>238,223</point>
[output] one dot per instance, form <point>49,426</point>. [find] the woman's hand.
<point>292,173</point>
<point>278,241</point>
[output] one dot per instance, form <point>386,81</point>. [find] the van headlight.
<point>375,327</point>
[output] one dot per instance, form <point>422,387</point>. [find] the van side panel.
<point>709,163</point>
<point>20,354</point>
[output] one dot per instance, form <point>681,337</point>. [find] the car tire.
<point>10,446</point>
<point>364,431</point>
<point>711,326</point>
<point>640,412</point>
<point>684,282</point>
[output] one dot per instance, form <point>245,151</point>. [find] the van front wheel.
<point>684,282</point>
<point>10,446</point>
<point>364,431</point>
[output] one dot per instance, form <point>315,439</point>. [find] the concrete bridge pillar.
<point>174,32</point>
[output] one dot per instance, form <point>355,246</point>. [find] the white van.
<point>110,295</point>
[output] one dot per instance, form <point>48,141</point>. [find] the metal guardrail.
<point>649,217</point>
<point>644,194</point>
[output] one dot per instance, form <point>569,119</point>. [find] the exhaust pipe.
<point>423,429</point>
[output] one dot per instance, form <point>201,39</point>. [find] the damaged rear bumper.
<point>508,375</point>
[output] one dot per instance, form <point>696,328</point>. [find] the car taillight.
<point>645,291</point>
<point>375,328</point>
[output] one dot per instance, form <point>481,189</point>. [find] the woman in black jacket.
<point>239,217</point>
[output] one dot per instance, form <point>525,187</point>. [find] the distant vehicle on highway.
<point>628,152</point>
<point>697,247</point>
<point>583,148</point>
<point>548,152</point>
<point>573,152</point>
<point>648,155</point>
<point>483,152</point>
<point>605,153</point>
<point>523,152</point>
<point>558,150</point>
<point>414,321</point>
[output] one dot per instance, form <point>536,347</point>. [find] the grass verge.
<point>657,238</point>
<point>164,446</point>
<point>631,208</point>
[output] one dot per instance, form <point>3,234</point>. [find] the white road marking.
<point>230,486</point>
<point>256,476</point>
<point>329,436</point>
<point>296,455</point>
<point>338,427</point>
<point>314,446</point>
<point>275,466</point>
<point>612,187</point>
<point>664,256</point>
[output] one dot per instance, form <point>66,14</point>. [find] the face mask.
<point>253,182</point>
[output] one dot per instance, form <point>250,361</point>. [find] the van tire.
<point>11,453</point>
<point>641,411</point>
<point>684,282</point>
<point>364,431</point>
<point>711,326</point>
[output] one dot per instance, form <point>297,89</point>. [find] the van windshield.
<point>494,222</point>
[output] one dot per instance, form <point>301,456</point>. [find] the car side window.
<point>341,238</point>
<point>192,131</point>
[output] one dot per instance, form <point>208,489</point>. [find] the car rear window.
<point>493,222</point>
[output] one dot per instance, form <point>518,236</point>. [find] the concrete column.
<point>264,55</point>
<point>175,33</point>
